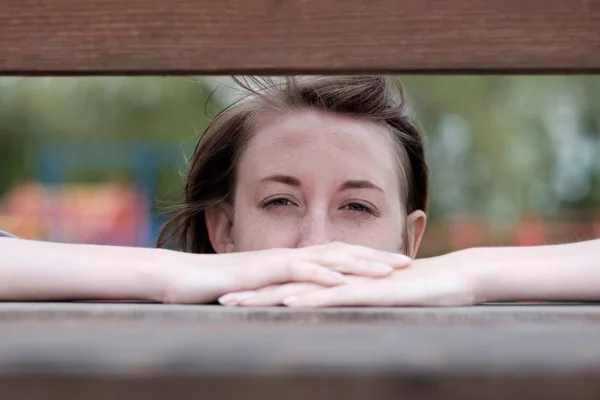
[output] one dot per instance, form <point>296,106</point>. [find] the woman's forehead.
<point>309,131</point>
<point>321,142</point>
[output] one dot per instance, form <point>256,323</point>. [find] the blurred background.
<point>515,160</point>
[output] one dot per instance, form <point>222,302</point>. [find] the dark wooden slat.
<point>100,351</point>
<point>491,315</point>
<point>297,36</point>
<point>324,387</point>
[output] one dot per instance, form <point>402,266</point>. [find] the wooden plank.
<point>298,36</point>
<point>100,351</point>
<point>496,315</point>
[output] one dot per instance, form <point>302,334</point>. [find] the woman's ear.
<point>415,228</point>
<point>219,224</point>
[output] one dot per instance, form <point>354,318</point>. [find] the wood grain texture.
<point>298,36</point>
<point>102,351</point>
<point>490,315</point>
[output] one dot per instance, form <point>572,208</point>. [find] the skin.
<point>303,181</point>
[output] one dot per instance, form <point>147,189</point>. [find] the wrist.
<point>154,271</point>
<point>477,271</point>
<point>481,273</point>
<point>168,272</point>
<point>191,278</point>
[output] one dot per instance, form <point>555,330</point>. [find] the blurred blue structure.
<point>143,160</point>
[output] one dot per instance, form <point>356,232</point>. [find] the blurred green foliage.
<point>36,112</point>
<point>504,146</point>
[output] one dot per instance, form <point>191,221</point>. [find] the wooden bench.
<point>107,351</point>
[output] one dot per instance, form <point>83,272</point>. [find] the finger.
<point>364,268</point>
<point>292,271</point>
<point>301,271</point>
<point>393,259</point>
<point>378,294</point>
<point>274,294</point>
<point>358,260</point>
<point>275,297</point>
<point>232,299</point>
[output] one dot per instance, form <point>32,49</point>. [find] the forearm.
<point>32,270</point>
<point>556,272</point>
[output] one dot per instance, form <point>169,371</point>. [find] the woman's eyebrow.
<point>285,179</point>
<point>351,184</point>
<point>354,184</point>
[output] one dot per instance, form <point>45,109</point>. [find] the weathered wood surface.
<point>98,351</point>
<point>298,36</point>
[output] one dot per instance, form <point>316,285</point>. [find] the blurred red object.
<point>467,232</point>
<point>106,213</point>
<point>530,231</point>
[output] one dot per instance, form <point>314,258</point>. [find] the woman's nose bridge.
<point>316,227</point>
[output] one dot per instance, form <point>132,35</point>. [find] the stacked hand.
<point>429,282</point>
<point>334,274</point>
<point>323,266</point>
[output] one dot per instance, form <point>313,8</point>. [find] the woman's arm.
<point>33,270</point>
<point>553,272</point>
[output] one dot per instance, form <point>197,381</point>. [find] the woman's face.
<point>309,178</point>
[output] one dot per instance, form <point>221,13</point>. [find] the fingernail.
<point>401,257</point>
<point>338,276</point>
<point>232,299</point>
<point>290,300</point>
<point>381,267</point>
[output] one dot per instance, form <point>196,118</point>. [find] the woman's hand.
<point>203,278</point>
<point>441,281</point>
<point>567,272</point>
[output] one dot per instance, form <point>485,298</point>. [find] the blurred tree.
<point>36,112</point>
<point>503,146</point>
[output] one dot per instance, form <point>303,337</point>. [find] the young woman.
<point>308,192</point>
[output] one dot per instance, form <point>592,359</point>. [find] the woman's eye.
<point>357,207</point>
<point>278,202</point>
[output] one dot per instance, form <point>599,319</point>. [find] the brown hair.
<point>211,175</point>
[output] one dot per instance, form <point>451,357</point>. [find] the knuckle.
<point>326,249</point>
<point>334,251</point>
<point>291,269</point>
<point>366,252</point>
<point>341,246</point>
<point>333,246</point>
<point>355,250</point>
